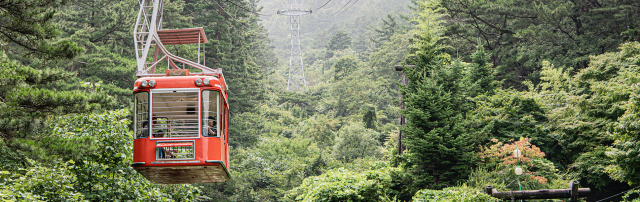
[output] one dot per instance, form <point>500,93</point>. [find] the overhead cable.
<point>354,3</point>
<point>314,15</point>
<point>343,7</point>
<point>330,17</point>
<point>248,29</point>
<point>273,25</point>
<point>322,5</point>
<point>243,8</point>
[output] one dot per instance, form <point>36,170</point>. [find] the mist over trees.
<point>556,79</point>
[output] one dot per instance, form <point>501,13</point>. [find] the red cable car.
<point>186,140</point>
<point>181,118</point>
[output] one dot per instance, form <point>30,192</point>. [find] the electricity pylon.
<point>296,81</point>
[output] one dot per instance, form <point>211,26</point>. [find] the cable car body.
<point>173,142</point>
<point>181,114</point>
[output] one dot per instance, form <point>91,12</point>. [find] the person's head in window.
<point>144,131</point>
<point>211,122</point>
<point>211,126</point>
<point>160,133</point>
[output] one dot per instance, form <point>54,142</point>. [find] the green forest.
<point>557,79</point>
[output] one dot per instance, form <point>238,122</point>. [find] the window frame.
<point>174,90</point>
<point>217,117</point>
<point>135,114</point>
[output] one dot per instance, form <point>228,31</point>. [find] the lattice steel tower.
<point>296,81</point>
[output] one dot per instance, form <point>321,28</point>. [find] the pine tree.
<point>26,99</point>
<point>388,28</point>
<point>28,25</point>
<point>439,150</point>
<point>27,95</point>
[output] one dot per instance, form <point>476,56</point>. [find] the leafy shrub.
<point>453,194</point>
<point>39,183</point>
<point>355,141</point>
<point>343,185</point>
<point>96,150</point>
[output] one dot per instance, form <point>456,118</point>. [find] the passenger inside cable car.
<point>144,132</point>
<point>211,129</point>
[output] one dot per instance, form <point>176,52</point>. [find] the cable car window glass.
<point>141,116</point>
<point>210,115</point>
<point>174,113</point>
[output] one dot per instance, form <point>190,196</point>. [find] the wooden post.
<point>400,68</point>
<point>574,186</point>
<point>489,190</point>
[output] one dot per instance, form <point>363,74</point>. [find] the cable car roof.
<point>182,36</point>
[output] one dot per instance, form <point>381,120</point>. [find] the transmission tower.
<point>296,81</point>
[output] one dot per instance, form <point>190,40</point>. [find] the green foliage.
<point>593,102</point>
<point>369,116</point>
<point>273,166</point>
<point>459,193</point>
<point>507,115</point>
<point>439,149</point>
<point>322,129</point>
<point>344,185</point>
<point>103,173</point>
<point>339,41</point>
<point>246,129</point>
<point>344,66</point>
<point>84,157</point>
<point>625,152</point>
<point>26,99</point>
<point>596,166</point>
<point>100,24</point>
<point>578,110</point>
<point>236,47</point>
<point>28,24</point>
<point>41,184</point>
<point>480,74</point>
<point>520,34</point>
<point>389,27</point>
<point>355,141</point>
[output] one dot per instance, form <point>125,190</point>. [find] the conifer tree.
<point>388,28</point>
<point>26,99</point>
<point>27,24</point>
<point>339,41</point>
<point>439,150</point>
<point>27,95</point>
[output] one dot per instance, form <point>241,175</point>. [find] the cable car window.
<point>222,122</point>
<point>141,116</point>
<point>175,114</point>
<point>210,115</point>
